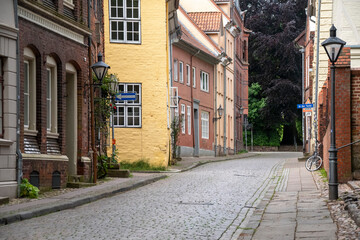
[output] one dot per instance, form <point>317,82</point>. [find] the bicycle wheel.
<point>313,163</point>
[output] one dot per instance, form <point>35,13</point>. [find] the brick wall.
<point>342,116</point>
<point>355,119</point>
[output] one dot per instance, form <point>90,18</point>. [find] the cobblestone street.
<point>208,202</point>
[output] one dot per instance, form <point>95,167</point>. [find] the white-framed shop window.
<point>125,21</point>
<point>205,125</point>
<point>128,113</point>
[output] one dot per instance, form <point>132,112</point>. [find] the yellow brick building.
<point>136,48</point>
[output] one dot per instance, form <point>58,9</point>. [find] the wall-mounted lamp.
<point>220,111</point>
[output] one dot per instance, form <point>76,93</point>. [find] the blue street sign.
<point>128,96</point>
<point>305,105</point>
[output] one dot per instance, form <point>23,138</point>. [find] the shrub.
<point>28,190</point>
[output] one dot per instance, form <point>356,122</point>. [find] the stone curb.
<point>72,203</point>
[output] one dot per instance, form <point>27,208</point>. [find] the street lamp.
<point>100,68</point>
<point>220,111</point>
<point>333,47</point>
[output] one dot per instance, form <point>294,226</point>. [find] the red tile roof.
<point>207,21</point>
<point>187,37</point>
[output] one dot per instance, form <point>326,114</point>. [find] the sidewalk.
<point>27,210</point>
<point>296,211</point>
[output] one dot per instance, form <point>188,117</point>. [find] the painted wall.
<point>145,63</point>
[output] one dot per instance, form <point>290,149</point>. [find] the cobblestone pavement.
<point>208,202</point>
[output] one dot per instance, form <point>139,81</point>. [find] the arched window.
<point>29,90</point>
<point>244,51</point>
<point>51,95</point>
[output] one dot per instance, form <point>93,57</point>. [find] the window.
<point>29,90</point>
<point>204,81</point>
<point>194,77</point>
<point>189,119</point>
<point>183,118</point>
<point>128,113</point>
<point>124,21</point>
<point>181,72</point>
<point>1,98</point>
<point>205,125</point>
<point>175,70</point>
<point>51,95</point>
<point>188,75</point>
<point>244,51</point>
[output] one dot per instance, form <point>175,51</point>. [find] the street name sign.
<point>126,96</point>
<point>305,105</point>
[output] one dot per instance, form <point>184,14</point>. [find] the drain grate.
<point>243,175</point>
<point>196,203</point>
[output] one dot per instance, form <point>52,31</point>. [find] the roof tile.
<point>207,21</point>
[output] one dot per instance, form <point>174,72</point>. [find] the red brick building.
<point>347,121</point>
<point>193,76</point>
<point>58,44</point>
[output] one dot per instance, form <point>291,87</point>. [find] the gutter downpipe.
<point>94,153</point>
<point>215,113</point>
<point>224,144</point>
<point>317,74</point>
<point>302,50</point>
<point>19,159</point>
<point>192,102</point>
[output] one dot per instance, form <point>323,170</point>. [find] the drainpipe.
<point>19,159</point>
<point>224,144</point>
<point>94,153</point>
<point>302,50</point>
<point>192,100</point>
<point>317,74</point>
<point>215,104</point>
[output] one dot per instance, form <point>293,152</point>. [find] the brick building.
<point>194,59</point>
<point>343,15</point>
<point>58,42</point>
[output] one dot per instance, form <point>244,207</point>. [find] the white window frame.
<point>194,77</point>
<point>176,74</point>
<point>189,119</point>
<point>205,125</point>
<point>30,107</point>
<point>188,74</point>
<point>51,95</point>
<point>183,120</point>
<point>204,81</point>
<point>128,110</point>
<point>26,94</point>
<point>116,19</point>
<point>181,72</point>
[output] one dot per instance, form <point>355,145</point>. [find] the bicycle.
<point>314,162</point>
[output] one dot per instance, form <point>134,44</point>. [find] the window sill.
<point>69,5</point>
<point>52,135</point>
<point>5,142</point>
<point>30,132</point>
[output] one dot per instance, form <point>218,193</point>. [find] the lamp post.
<point>99,68</point>
<point>114,89</point>
<point>333,47</point>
